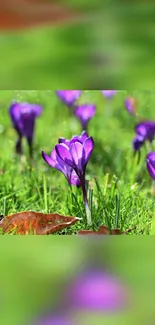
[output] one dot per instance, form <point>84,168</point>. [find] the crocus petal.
<point>49,160</point>
<point>141,129</point>
<point>76,150</point>
<point>55,161</point>
<point>52,160</point>
<point>37,109</point>
<point>63,152</point>
<point>14,112</point>
<point>74,179</point>
<point>147,129</point>
<point>83,136</point>
<point>88,148</point>
<point>150,161</point>
<point>65,141</point>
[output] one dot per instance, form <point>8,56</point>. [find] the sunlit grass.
<point>119,187</point>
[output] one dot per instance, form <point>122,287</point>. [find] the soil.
<point>23,14</point>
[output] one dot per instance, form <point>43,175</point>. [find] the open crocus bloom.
<point>23,116</point>
<point>69,97</point>
<point>85,112</point>
<point>109,93</point>
<point>71,157</point>
<point>131,105</point>
<point>97,291</point>
<point>150,162</point>
<point>76,152</point>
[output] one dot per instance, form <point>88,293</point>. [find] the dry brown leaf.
<point>36,222</point>
<point>103,230</point>
<point>21,14</point>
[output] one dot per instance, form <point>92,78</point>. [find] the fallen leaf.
<point>35,222</point>
<point>103,230</point>
<point>21,14</point>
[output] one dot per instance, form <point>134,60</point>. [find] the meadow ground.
<point>33,269</point>
<point>119,187</point>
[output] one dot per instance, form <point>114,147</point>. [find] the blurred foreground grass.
<point>34,272</point>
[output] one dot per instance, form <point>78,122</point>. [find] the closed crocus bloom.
<point>131,105</point>
<point>109,93</point>
<point>138,142</point>
<point>85,113</point>
<point>69,97</point>
<point>71,157</point>
<point>95,291</point>
<point>23,116</point>
<point>146,129</point>
<point>150,162</point>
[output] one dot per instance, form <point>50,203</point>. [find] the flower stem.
<point>88,212</point>
<point>152,190</point>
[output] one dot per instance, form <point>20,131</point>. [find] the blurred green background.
<point>111,46</point>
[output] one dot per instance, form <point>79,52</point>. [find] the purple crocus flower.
<point>69,97</point>
<point>96,291</point>
<point>138,142</point>
<point>131,105</point>
<point>71,158</point>
<point>23,116</point>
<point>109,93</point>
<point>146,129</point>
<point>150,163</point>
<point>84,113</point>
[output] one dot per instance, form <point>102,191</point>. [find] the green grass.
<point>119,188</point>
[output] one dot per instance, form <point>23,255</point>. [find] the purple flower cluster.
<point>83,112</point>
